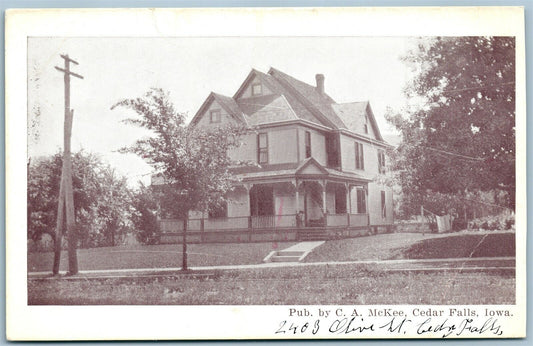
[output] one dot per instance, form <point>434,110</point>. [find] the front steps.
<point>294,253</point>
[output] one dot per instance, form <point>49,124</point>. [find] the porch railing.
<point>273,221</point>
<point>352,220</point>
<point>336,219</point>
<point>258,222</point>
<point>359,220</point>
<point>226,223</point>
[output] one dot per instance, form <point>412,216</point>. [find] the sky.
<point>355,69</point>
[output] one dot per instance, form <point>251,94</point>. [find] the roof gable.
<point>226,102</point>
<point>310,166</point>
<point>316,102</point>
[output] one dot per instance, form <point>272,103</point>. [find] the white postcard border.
<point>193,322</point>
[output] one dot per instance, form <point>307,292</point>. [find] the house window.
<point>383,205</point>
<point>359,156</point>
<point>256,89</point>
<point>361,201</point>
<point>381,161</point>
<point>366,124</point>
<point>262,148</point>
<point>307,144</point>
<point>215,116</point>
<point>332,149</point>
<point>218,210</point>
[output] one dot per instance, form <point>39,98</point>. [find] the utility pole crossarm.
<point>66,57</point>
<point>69,72</point>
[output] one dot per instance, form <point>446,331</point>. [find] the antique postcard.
<point>265,173</point>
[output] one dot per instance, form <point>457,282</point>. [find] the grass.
<point>158,256</point>
<point>465,245</point>
<point>415,246</point>
<point>340,284</point>
<point>377,247</point>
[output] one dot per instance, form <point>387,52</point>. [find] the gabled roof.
<point>317,102</point>
<point>308,163</point>
<point>226,102</point>
<point>299,109</point>
<point>291,99</point>
<point>270,171</point>
<point>353,115</point>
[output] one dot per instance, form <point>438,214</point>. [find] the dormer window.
<point>257,89</point>
<point>215,116</point>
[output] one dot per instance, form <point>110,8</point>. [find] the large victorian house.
<point>317,165</point>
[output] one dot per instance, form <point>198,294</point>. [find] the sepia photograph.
<point>356,184</point>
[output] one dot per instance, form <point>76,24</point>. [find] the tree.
<point>101,199</point>
<point>193,161</point>
<point>144,215</point>
<point>461,137</point>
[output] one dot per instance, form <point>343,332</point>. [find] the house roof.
<point>294,169</point>
<point>228,103</point>
<point>291,99</point>
<point>353,115</point>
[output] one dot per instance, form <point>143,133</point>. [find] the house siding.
<point>318,144</point>
<point>248,91</point>
<point>374,203</point>
<point>225,118</point>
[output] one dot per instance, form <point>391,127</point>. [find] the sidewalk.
<point>446,264</point>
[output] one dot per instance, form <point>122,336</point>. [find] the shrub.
<point>504,221</point>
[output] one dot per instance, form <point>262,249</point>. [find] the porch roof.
<point>295,170</point>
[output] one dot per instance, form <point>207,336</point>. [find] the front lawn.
<point>325,285</point>
<point>464,245</point>
<point>375,247</point>
<point>416,246</point>
<point>158,256</point>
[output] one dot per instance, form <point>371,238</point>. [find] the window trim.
<point>308,148</point>
<point>361,201</point>
<point>381,161</point>
<point>359,156</point>
<point>262,149</point>
<point>260,89</point>
<point>212,119</point>
<point>383,205</point>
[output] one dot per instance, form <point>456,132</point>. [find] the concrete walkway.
<point>426,265</point>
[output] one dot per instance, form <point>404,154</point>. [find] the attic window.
<point>215,116</point>
<point>257,89</point>
<point>366,124</point>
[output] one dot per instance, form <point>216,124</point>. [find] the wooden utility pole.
<point>65,205</point>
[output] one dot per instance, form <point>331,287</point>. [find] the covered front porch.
<point>289,204</point>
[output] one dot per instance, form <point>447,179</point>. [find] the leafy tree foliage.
<point>144,215</point>
<point>462,136</point>
<point>101,199</point>
<point>193,161</point>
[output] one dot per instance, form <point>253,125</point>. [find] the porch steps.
<point>294,253</point>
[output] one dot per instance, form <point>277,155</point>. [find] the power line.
<point>457,155</point>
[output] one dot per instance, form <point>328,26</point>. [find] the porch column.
<point>324,198</point>
<point>348,199</point>
<point>297,202</point>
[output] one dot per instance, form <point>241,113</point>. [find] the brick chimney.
<point>320,83</point>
